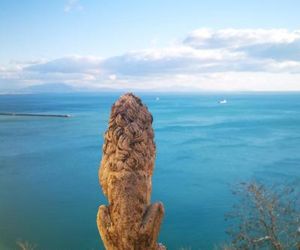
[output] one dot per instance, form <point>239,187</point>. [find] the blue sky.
<point>151,45</point>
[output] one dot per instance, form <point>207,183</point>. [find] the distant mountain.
<point>49,88</point>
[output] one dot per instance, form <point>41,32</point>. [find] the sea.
<point>49,190</point>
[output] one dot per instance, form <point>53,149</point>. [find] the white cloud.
<point>73,5</point>
<point>236,38</point>
<point>277,44</point>
<point>169,60</point>
<point>229,59</point>
<point>70,64</point>
<point>112,77</point>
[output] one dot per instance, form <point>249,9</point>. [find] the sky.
<point>151,45</point>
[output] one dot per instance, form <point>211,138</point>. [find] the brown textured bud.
<point>129,222</point>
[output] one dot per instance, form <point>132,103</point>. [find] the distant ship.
<point>224,101</point>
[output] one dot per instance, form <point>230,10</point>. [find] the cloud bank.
<point>206,59</point>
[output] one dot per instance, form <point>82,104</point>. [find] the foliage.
<point>264,218</point>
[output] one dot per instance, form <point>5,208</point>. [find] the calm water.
<point>49,192</point>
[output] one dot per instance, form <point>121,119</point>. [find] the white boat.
<point>224,101</point>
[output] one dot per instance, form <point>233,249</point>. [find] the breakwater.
<point>35,114</point>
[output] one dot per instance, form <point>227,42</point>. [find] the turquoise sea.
<point>49,191</point>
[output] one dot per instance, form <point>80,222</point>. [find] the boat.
<point>224,101</point>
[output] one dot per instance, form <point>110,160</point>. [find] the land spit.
<point>35,114</point>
